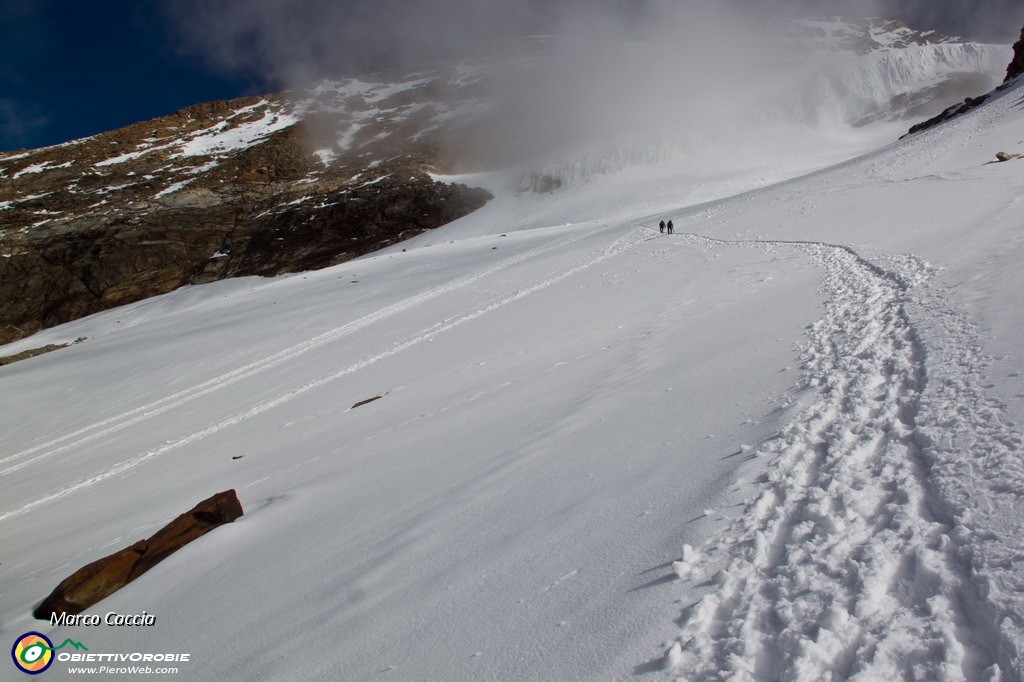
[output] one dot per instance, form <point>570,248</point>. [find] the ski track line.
<point>620,245</point>
<point>137,415</point>
<point>845,563</point>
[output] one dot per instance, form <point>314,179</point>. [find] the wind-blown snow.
<point>778,444</point>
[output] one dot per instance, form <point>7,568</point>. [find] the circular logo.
<point>32,653</point>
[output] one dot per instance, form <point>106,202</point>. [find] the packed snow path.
<point>851,559</point>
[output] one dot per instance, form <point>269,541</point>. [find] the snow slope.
<point>779,444</point>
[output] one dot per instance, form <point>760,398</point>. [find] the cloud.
<point>291,42</point>
<point>288,42</point>
<point>618,66</point>
<point>997,21</point>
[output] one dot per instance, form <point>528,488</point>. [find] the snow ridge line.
<point>119,422</point>
<point>618,246</point>
<point>840,566</point>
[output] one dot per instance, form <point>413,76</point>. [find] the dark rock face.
<point>948,113</point>
<point>98,580</point>
<point>1016,66</point>
<point>222,189</point>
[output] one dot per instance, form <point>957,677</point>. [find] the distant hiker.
<point>670,227</point>
<point>661,226</point>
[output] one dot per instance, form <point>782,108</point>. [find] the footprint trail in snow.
<point>853,533</point>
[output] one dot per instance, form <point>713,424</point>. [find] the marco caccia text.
<point>116,619</point>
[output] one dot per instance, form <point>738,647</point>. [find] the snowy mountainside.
<point>217,190</point>
<point>779,444</point>
<point>782,443</point>
<point>285,183</point>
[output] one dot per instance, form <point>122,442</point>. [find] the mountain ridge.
<point>302,180</point>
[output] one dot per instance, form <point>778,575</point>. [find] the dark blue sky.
<point>71,68</point>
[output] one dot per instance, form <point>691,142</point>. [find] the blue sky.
<point>71,68</point>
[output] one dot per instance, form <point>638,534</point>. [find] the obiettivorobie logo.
<point>33,652</point>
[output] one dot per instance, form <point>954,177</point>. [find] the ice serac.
<point>888,71</point>
<point>821,76</point>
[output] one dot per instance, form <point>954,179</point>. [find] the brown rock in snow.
<point>98,580</point>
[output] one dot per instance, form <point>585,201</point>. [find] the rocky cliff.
<point>222,189</point>
<point>1016,66</point>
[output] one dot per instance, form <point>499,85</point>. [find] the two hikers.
<point>662,226</point>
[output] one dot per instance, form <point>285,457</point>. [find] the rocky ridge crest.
<point>1016,66</point>
<point>251,186</point>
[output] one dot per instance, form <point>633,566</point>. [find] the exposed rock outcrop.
<point>948,113</point>
<point>221,189</point>
<point>1016,66</point>
<point>33,352</point>
<point>98,580</point>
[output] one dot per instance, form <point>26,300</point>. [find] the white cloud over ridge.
<point>697,58</point>
<point>288,42</point>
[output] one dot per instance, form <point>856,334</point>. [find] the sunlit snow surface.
<point>778,444</point>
